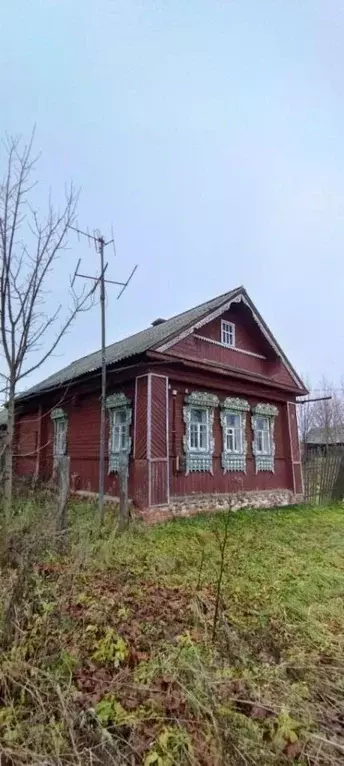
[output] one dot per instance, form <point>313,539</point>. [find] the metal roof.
<point>319,435</point>
<point>135,344</point>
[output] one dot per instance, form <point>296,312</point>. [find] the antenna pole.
<point>103,384</point>
<point>100,245</point>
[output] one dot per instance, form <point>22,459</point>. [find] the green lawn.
<point>114,659</point>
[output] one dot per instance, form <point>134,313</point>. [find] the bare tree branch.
<point>30,246</point>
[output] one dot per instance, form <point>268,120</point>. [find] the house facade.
<point>200,407</point>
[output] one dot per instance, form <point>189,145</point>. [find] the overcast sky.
<point>209,134</point>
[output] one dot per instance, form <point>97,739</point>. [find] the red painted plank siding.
<point>158,416</point>
<point>158,480</point>
<point>83,413</point>
<point>26,444</point>
<point>198,482</point>
<point>158,452</point>
<point>140,447</point>
<point>194,347</point>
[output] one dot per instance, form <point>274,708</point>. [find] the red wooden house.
<point>201,405</point>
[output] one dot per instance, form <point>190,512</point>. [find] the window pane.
<point>123,437</point>
<point>259,438</point>
<point>198,416</point>
<point>203,436</point>
<point>115,439</point>
<point>233,420</point>
<point>230,440</point>
<point>193,436</point>
<point>120,416</point>
<point>266,441</point>
<point>237,438</point>
<point>227,335</point>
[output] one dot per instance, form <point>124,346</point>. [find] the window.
<point>198,440</point>
<point>262,432</point>
<point>233,432</point>
<point>263,423</point>
<point>227,333</point>
<point>60,421</point>
<point>119,431</point>
<point>233,422</point>
<point>120,414</point>
<point>60,436</point>
<point>198,429</point>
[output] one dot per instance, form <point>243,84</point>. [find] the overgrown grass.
<point>112,657</point>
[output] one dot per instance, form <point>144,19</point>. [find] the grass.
<point>112,661</point>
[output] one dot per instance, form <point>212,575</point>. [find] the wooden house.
<point>202,406</point>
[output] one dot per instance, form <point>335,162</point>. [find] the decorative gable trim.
<point>197,325</point>
<point>241,297</point>
<point>231,348</point>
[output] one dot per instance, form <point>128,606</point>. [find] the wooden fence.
<point>323,474</point>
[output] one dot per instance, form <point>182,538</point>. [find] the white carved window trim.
<point>199,458</point>
<point>119,407</point>
<point>264,457</point>
<point>60,423</point>
<point>227,333</point>
<point>234,460</point>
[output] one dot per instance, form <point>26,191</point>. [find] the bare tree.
<point>324,410</point>
<point>29,248</point>
<point>328,414</point>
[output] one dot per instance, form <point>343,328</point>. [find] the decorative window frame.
<point>196,459</point>
<point>234,461</point>
<point>264,461</point>
<point>58,415</point>
<point>115,403</point>
<point>224,325</point>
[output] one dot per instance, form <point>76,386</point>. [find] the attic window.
<point>227,333</point>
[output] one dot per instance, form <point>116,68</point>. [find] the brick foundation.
<point>194,504</point>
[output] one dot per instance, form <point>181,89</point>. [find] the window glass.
<point>227,333</point>
<point>262,430</point>
<point>119,431</point>
<point>198,429</point>
<point>233,433</point>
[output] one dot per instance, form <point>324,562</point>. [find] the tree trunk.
<point>8,472</point>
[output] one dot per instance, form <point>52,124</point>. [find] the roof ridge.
<point>132,335</point>
<point>153,335</point>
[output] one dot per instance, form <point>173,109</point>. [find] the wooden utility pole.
<point>100,245</point>
<point>103,384</point>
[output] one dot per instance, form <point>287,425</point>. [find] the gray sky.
<point>209,133</point>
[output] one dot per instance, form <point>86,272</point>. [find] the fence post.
<point>62,469</point>
<point>123,492</point>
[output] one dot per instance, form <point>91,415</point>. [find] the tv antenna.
<point>100,244</point>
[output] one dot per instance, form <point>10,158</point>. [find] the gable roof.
<point>158,338</point>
